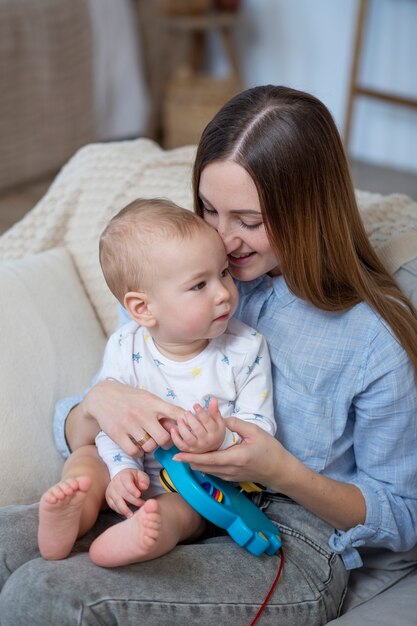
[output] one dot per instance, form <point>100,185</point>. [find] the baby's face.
<point>193,295</point>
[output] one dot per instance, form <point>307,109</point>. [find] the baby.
<point>169,269</point>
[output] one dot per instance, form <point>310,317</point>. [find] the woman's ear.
<point>137,305</point>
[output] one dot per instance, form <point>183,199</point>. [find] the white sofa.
<point>56,310</point>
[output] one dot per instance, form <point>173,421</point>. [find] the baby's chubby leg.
<point>70,508</point>
<point>155,529</point>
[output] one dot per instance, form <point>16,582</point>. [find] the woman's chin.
<point>244,274</point>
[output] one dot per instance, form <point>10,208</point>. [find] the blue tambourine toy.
<point>220,503</point>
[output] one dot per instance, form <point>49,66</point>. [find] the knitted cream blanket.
<point>102,178</point>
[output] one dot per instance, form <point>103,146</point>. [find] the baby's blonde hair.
<point>126,243</point>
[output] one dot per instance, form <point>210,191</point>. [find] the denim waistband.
<point>262,499</point>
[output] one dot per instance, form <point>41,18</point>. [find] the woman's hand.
<point>259,457</point>
<point>121,412</point>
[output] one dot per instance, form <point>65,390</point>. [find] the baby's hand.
<point>202,431</point>
<point>126,487</point>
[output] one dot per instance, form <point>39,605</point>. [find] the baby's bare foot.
<point>139,538</point>
<point>60,511</point>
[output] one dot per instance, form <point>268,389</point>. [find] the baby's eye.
<point>199,286</point>
<point>225,272</point>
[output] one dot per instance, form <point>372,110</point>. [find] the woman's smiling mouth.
<point>241,259</point>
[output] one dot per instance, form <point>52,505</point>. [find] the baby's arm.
<point>128,480</point>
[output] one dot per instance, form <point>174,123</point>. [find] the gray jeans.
<point>213,582</point>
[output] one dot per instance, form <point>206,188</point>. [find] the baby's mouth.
<point>222,318</point>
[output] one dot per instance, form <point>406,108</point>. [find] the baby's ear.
<point>137,305</point>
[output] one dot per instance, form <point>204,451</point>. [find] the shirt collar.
<point>267,284</point>
<point>247,286</point>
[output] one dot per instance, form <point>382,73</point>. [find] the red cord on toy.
<point>271,591</point>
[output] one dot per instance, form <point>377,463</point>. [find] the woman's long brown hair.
<point>288,143</point>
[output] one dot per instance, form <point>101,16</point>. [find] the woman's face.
<point>231,205</point>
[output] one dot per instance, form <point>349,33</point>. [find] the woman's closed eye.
<point>208,211</point>
<point>211,213</point>
<point>251,226</point>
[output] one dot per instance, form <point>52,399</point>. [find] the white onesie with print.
<point>235,368</point>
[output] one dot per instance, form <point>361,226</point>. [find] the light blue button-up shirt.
<point>345,395</point>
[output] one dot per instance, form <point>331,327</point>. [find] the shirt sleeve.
<point>254,392</point>
<point>114,457</point>
<point>115,365</point>
<point>385,444</point>
<point>64,406</point>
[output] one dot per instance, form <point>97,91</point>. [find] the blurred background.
<point>74,72</point>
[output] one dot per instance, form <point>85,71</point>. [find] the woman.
<point>271,176</point>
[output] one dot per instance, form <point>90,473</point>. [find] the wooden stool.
<point>191,96</point>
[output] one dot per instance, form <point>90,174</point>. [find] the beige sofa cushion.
<point>50,345</point>
<point>122,177</point>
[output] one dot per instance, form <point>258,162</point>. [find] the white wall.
<point>308,44</point>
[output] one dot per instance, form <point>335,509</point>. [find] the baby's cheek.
<point>195,326</point>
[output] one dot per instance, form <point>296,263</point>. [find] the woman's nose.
<point>230,240</point>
